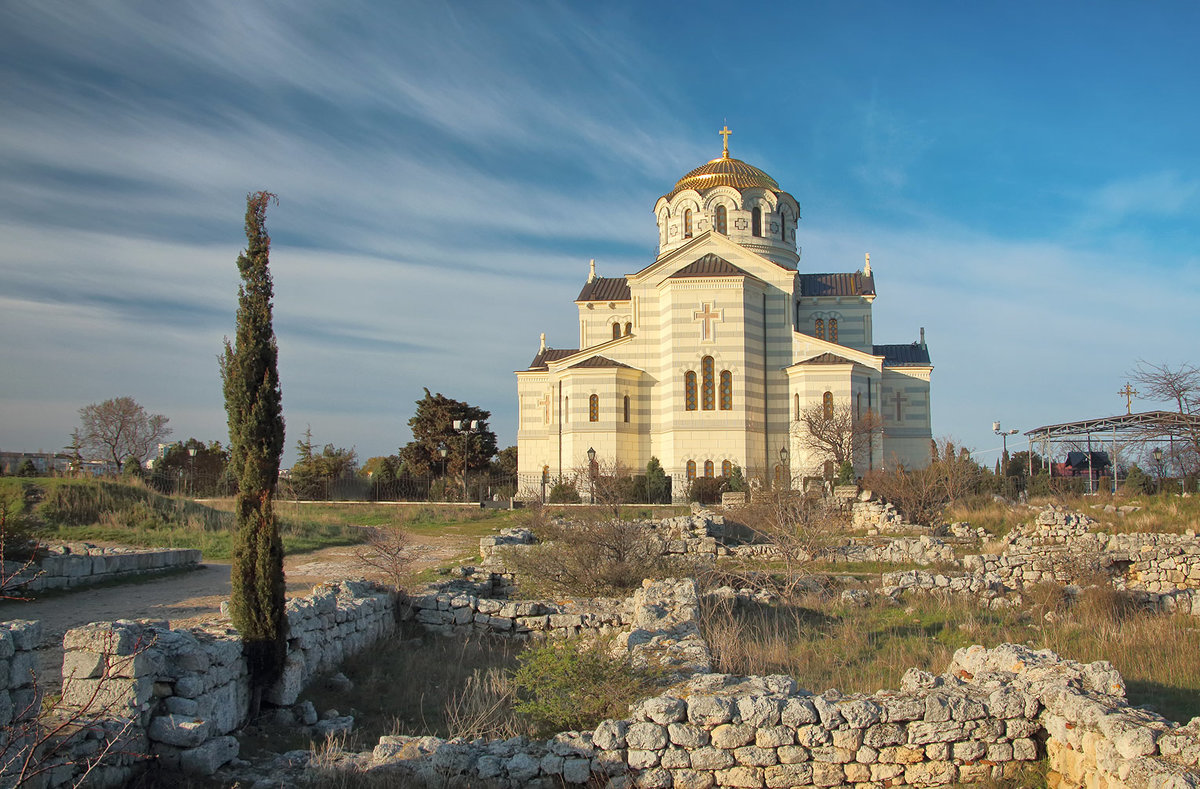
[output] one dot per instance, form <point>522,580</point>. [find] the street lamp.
<point>192,469</point>
<point>466,427</point>
<point>591,453</point>
<point>1157,454</point>
<point>443,450</point>
<point>1004,434</point>
<point>783,461</point>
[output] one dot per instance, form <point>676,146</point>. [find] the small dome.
<point>724,171</point>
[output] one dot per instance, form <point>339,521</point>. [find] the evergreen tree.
<point>253,403</point>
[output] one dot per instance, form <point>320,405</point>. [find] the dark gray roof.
<point>827,358</point>
<point>895,355</point>
<point>550,355</point>
<point>855,284</point>
<point>598,361</point>
<point>605,289</point>
<point>710,266</point>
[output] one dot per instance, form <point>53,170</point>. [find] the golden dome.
<point>724,171</point>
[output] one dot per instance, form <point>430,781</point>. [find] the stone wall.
<point>80,564</point>
<point>990,713</point>
<point>176,695</point>
<point>19,697</point>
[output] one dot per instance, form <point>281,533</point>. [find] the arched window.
<point>827,405</point>
<point>594,408</point>
<point>689,390</point>
<point>833,329</point>
<point>708,468</point>
<point>567,408</point>
<point>819,329</point>
<point>858,405</point>
<point>628,329</point>
<point>726,468</point>
<point>783,225</point>
<point>691,469</point>
<point>797,397</point>
<point>616,330</point>
<point>722,221</point>
<point>626,408</point>
<point>756,221</point>
<point>687,223</point>
<point>708,384</point>
<point>726,390</point>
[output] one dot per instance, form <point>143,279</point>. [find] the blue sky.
<point>1025,175</point>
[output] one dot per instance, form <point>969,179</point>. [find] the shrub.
<point>573,686</point>
<point>594,556</point>
<point>1137,481</point>
<point>706,490</point>
<point>563,492</point>
<point>845,475</point>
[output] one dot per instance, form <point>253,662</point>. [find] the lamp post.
<point>443,450</point>
<point>787,472</point>
<point>591,453</point>
<point>1157,454</point>
<point>466,427</point>
<point>1004,434</point>
<point>192,469</point>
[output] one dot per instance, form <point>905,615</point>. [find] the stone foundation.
<point>81,564</point>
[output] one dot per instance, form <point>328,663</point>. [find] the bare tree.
<point>387,549</point>
<point>789,525</point>
<point>1181,386</point>
<point>835,433</point>
<point>119,429</point>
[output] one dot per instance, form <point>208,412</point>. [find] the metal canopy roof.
<point>1145,425</point>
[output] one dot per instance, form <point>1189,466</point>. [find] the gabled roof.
<point>855,284</point>
<point>710,265</point>
<point>550,355</point>
<point>898,355</point>
<point>828,358</point>
<point>605,289</point>
<point>599,362</point>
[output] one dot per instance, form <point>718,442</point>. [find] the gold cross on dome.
<point>1128,393</point>
<point>725,132</point>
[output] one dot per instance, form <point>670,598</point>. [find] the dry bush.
<point>796,525</point>
<point>387,549</point>
<point>594,556</point>
<point>483,707</point>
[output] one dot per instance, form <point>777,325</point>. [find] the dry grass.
<point>823,644</point>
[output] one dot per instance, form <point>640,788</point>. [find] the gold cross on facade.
<point>900,400</point>
<point>544,403</point>
<point>707,315</point>
<point>725,132</point>
<point>1128,392</point>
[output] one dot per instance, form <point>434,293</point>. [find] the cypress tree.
<point>254,405</point>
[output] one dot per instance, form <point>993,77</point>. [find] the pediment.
<point>714,244</point>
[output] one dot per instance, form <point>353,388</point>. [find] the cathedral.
<point>722,352</point>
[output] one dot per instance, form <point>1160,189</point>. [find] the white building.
<point>707,358</point>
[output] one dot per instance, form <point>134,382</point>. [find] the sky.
<point>1025,176</point>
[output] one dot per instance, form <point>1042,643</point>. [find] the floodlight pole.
<point>1004,434</point>
<point>466,427</point>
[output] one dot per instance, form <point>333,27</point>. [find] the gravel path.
<point>187,598</point>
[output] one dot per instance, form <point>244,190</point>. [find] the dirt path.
<point>188,598</point>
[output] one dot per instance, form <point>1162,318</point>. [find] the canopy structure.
<point>1124,430</point>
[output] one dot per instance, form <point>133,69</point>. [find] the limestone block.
<point>732,735</point>
<point>687,736</point>
<point>885,734</point>
<point>710,710</point>
<point>931,773</point>
<point>824,774</point>
<point>7,643</point>
<point>754,756</point>
<point>742,776</point>
<point>937,751</point>
<point>793,754</point>
<point>178,730</point>
<point>774,736</point>
<point>709,758</point>
<point>576,771</point>
<point>26,634</point>
<point>662,709</point>
<point>116,694</point>
<point>692,779</point>
<point>813,736</point>
<point>798,712</point>
<point>759,710</point>
<point>207,758</point>
<point>82,665</point>
<point>653,778</point>
<point>521,768</point>
<point>284,692</point>
<point>788,775</point>
<point>646,737</point>
<point>610,735</point>
<point>642,760</point>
